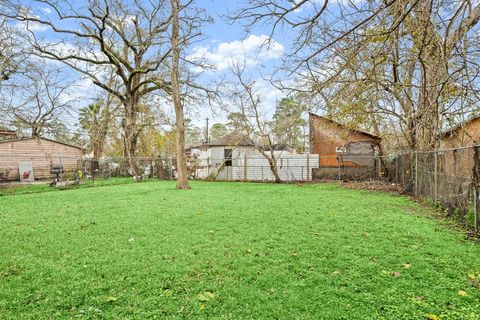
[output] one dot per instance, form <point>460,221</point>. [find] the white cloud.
<point>251,51</point>
<point>46,10</point>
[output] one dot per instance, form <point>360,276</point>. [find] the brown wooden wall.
<point>326,136</point>
<point>463,136</point>
<point>41,152</point>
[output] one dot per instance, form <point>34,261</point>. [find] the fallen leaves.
<point>462,293</point>
<point>432,316</point>
<point>395,274</point>
<point>206,296</point>
<point>108,299</point>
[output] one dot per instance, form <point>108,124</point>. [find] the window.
<point>227,155</point>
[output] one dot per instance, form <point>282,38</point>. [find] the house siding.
<point>326,136</point>
<point>40,152</point>
<point>466,135</point>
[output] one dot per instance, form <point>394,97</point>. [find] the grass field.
<point>230,251</point>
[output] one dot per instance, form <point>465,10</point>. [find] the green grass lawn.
<point>230,251</point>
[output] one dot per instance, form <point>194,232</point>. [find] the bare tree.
<point>410,65</point>
<point>245,98</point>
<point>182,181</point>
<point>37,99</point>
<point>12,51</point>
<point>127,39</point>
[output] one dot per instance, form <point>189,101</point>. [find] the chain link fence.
<point>449,177</point>
<point>351,168</point>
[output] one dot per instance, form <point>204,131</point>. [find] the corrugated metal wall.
<point>291,167</point>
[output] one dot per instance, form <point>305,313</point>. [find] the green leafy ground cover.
<point>230,251</point>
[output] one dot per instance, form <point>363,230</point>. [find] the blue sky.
<point>224,42</point>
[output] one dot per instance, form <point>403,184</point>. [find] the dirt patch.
<point>378,186</point>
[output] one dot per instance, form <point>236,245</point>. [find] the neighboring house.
<point>235,157</point>
<point>466,133</point>
<point>341,150</point>
<point>6,134</point>
<point>453,161</point>
<point>42,153</point>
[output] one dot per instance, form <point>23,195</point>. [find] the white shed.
<point>235,158</point>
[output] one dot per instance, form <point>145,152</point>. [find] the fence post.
<point>62,169</point>
<point>308,166</point>
<point>170,168</point>
<point>475,208</point>
<point>208,168</point>
<point>435,176</point>
<point>245,168</point>
<point>416,174</point>
<point>338,161</point>
<point>379,161</point>
<point>476,185</point>
<point>397,160</point>
<point>288,173</point>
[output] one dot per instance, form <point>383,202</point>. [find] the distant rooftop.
<point>346,127</point>
<point>231,139</point>
<point>454,128</point>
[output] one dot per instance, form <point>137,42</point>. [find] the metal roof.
<point>345,127</point>
<point>26,139</point>
<point>451,130</point>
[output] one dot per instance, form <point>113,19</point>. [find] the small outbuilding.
<point>7,134</point>
<point>39,154</point>
<point>466,133</point>
<point>235,157</point>
<point>342,151</point>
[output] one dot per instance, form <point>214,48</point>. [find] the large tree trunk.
<point>130,142</point>
<point>36,131</point>
<point>182,179</point>
<point>429,106</point>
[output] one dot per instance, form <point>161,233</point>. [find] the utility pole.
<point>207,133</point>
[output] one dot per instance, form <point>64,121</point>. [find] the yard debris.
<point>374,185</point>
<point>109,299</point>
<point>462,293</point>
<point>206,296</point>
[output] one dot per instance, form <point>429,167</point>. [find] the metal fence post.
<point>435,176</point>
<point>416,174</point>
<point>379,162</point>
<point>208,168</point>
<point>476,185</point>
<point>308,166</point>
<point>397,160</point>
<point>245,168</point>
<point>475,208</point>
<point>62,170</point>
<point>288,172</point>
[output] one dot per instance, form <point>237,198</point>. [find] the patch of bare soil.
<point>373,185</point>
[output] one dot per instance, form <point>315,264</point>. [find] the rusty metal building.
<point>343,152</point>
